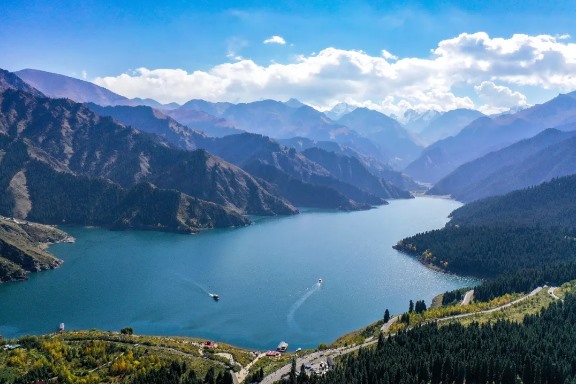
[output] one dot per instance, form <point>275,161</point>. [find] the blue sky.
<point>108,38</point>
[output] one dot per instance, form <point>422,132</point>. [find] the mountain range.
<point>486,134</point>
<point>43,139</point>
<point>374,142</point>
<point>398,145</point>
<point>290,171</point>
<point>529,162</point>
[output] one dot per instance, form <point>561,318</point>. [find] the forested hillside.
<point>488,251</point>
<point>550,204</point>
<point>542,349</point>
<point>523,229</point>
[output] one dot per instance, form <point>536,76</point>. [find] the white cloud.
<point>383,82</point>
<point>84,74</point>
<point>275,40</point>
<point>498,98</point>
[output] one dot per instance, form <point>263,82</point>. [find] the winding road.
<point>313,358</point>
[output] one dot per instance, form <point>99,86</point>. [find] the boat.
<point>215,297</point>
<point>282,346</point>
<point>320,281</point>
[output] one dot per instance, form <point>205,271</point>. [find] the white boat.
<point>215,297</point>
<point>320,281</point>
<point>282,346</point>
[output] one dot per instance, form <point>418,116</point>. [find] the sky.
<point>387,55</point>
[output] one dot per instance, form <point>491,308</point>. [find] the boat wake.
<point>290,317</point>
<point>200,288</point>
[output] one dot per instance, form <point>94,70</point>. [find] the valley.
<point>254,222</point>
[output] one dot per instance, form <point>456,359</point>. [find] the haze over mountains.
<point>486,134</point>
<point>529,162</point>
<point>295,148</point>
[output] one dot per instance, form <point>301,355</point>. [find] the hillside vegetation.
<point>528,228</point>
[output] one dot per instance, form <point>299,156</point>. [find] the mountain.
<point>249,151</point>
<point>215,109</point>
<point>339,110</point>
<point>153,103</point>
<point>151,121</point>
<point>415,121</point>
<point>60,86</point>
<point>375,166</point>
<point>298,178</point>
<point>448,124</point>
<point>34,190</point>
<point>22,248</point>
<point>550,154</point>
<point>385,132</point>
<point>81,91</point>
<point>549,204</point>
<point>70,138</point>
<point>294,103</point>
<point>202,121</point>
<point>279,121</point>
<point>352,171</point>
<point>485,135</point>
<point>9,81</point>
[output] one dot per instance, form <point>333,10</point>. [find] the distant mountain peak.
<point>294,103</point>
<point>339,110</point>
<point>412,117</point>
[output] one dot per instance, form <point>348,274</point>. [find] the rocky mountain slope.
<point>70,138</point>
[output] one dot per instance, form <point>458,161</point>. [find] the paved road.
<point>552,294</point>
<point>387,325</point>
<point>467,297</point>
<point>315,357</point>
<point>532,293</point>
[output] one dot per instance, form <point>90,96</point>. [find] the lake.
<point>266,275</point>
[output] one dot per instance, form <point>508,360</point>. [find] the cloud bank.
<point>487,69</point>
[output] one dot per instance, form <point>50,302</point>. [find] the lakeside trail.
<point>317,356</point>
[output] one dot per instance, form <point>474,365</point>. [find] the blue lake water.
<point>266,275</point>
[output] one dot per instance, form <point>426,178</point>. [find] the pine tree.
<point>386,316</point>
<point>292,376</point>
